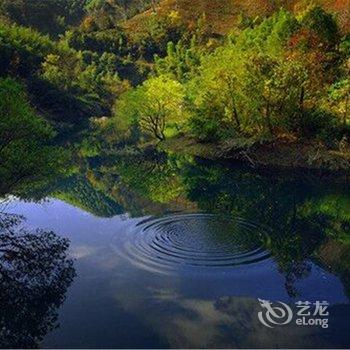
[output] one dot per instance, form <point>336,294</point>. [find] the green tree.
<point>182,60</point>
<point>340,96</point>
<point>94,81</point>
<point>262,81</point>
<point>22,50</point>
<point>154,105</point>
<point>219,87</point>
<point>49,16</point>
<point>27,157</point>
<point>62,70</point>
<point>322,24</point>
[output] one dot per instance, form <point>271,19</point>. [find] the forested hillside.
<point>223,15</point>
<point>249,77</point>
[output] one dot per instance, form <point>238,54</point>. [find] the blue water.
<point>116,301</point>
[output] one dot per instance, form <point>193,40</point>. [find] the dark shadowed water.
<point>176,252</point>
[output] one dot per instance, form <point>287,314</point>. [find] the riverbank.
<point>280,154</point>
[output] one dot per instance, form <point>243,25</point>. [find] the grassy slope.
<point>222,14</point>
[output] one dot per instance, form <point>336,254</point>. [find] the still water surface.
<point>176,253</point>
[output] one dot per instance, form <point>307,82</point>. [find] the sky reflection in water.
<point>192,279</point>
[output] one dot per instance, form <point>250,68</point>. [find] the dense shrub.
<point>317,124</point>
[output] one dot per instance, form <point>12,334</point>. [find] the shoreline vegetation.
<point>279,155</point>
<point>264,82</point>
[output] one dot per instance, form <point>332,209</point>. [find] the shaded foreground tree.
<point>35,273</point>
<point>27,156</point>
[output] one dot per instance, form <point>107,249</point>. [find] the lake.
<point>177,252</point>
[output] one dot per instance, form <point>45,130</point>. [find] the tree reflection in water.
<point>35,273</point>
<point>303,215</point>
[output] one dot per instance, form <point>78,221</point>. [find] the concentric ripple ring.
<point>193,241</point>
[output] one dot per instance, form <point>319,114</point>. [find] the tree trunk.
<point>267,118</point>
<point>159,135</point>
<point>238,122</point>
<point>301,100</point>
<point>347,102</point>
<point>154,6</point>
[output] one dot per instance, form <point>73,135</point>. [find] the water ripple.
<point>193,241</point>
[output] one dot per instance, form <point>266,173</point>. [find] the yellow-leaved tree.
<point>153,106</point>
